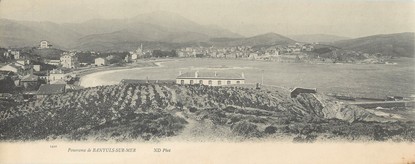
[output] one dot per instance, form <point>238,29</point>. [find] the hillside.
<point>29,34</point>
<point>397,45</point>
<point>317,38</point>
<point>50,53</point>
<point>153,112</point>
<point>150,27</point>
<point>258,40</point>
<point>131,45</point>
<point>166,22</point>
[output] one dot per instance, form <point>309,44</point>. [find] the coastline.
<point>91,77</point>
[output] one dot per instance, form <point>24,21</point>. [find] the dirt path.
<point>187,134</point>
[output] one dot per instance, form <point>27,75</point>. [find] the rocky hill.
<point>153,112</point>
<point>397,45</point>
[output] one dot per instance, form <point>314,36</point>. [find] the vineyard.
<point>156,111</point>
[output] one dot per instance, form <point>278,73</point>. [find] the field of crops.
<point>154,111</point>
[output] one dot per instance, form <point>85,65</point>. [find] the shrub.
<point>305,138</point>
<point>246,129</point>
<point>270,130</point>
<point>192,109</point>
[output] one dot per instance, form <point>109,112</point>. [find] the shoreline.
<point>91,77</point>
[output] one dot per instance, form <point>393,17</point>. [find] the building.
<point>138,81</point>
<point>30,82</point>
<point>9,53</point>
<point>56,74</point>
<point>43,76</point>
<point>53,62</point>
<point>210,78</point>
<point>23,62</point>
<point>15,54</point>
<point>36,68</point>
<point>137,53</point>
<point>100,61</point>
<point>50,89</point>
<point>69,60</point>
<point>44,44</point>
<point>18,67</point>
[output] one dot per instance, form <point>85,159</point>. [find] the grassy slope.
<point>398,45</point>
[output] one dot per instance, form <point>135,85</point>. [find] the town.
<point>28,73</point>
<point>234,81</point>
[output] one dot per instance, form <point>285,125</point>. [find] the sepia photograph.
<point>218,81</point>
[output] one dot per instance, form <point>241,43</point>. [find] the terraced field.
<point>154,112</point>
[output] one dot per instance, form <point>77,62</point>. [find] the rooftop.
<point>57,71</point>
<point>49,89</point>
<point>212,75</point>
<point>139,81</point>
<point>6,73</point>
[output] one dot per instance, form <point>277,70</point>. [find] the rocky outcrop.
<point>324,107</point>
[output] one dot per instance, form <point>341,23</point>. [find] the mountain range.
<point>317,38</point>
<point>165,30</point>
<point>152,27</point>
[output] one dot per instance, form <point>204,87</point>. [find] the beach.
<point>97,77</point>
<point>357,80</point>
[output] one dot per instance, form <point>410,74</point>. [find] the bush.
<point>305,138</point>
<point>192,109</point>
<point>246,129</point>
<point>270,130</point>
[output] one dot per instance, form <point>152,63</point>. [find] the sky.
<point>350,18</point>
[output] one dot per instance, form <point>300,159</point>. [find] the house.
<point>50,89</point>
<point>296,91</point>
<point>43,76</point>
<point>15,54</point>
<point>17,68</point>
<point>101,61</point>
<point>36,68</point>
<point>30,82</point>
<point>56,74</point>
<point>137,53</point>
<point>44,44</point>
<point>53,62</point>
<point>23,62</point>
<point>69,60</point>
<point>210,78</point>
